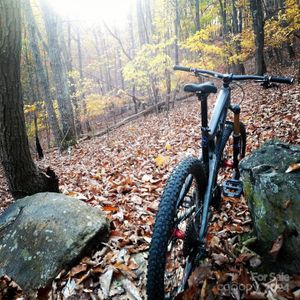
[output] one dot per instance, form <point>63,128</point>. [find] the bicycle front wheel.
<point>174,234</point>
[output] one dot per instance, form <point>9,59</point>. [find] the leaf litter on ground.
<point>123,174</point>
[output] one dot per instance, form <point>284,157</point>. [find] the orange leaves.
<point>293,168</point>
<point>110,208</point>
<point>277,245</point>
<point>78,269</point>
<point>123,176</point>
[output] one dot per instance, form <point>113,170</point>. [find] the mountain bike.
<point>179,236</point>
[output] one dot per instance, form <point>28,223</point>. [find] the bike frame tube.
<point>216,128</point>
<point>219,112</point>
<point>212,134</point>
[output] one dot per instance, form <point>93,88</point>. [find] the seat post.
<point>202,97</point>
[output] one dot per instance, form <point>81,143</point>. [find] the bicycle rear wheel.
<point>173,234</point>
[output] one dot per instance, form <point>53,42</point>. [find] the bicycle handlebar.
<point>230,77</point>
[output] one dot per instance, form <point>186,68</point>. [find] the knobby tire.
<point>165,220</point>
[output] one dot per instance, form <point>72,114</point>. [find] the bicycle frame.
<point>211,135</point>
<point>214,138</point>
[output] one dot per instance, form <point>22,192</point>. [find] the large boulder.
<point>274,203</point>
<point>45,233</point>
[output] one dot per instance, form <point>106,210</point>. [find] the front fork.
<point>236,139</point>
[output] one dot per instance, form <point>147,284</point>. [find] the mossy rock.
<point>42,234</point>
<point>274,202</point>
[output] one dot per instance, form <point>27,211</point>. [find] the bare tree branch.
<point>118,40</point>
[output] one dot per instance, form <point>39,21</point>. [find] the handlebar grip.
<point>181,68</point>
<point>281,79</point>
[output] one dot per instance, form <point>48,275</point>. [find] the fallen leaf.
<point>286,204</point>
<point>161,160</point>
<point>220,258</point>
<point>110,208</point>
<point>84,277</point>
<point>244,257</point>
<point>203,294</point>
<point>131,289</point>
<point>277,245</point>
<point>199,275</point>
<point>168,146</point>
<point>78,269</point>
<point>293,168</point>
<point>69,289</point>
<point>105,281</point>
<point>146,178</point>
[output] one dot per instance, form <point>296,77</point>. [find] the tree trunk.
<point>223,13</point>
<point>103,87</point>
<point>197,15</point>
<point>41,72</point>
<point>176,23</point>
<point>238,67</point>
<point>258,27</point>
<point>73,89</point>
<point>134,100</point>
<point>148,17</point>
<point>34,97</point>
<point>23,176</point>
<point>60,77</point>
<point>168,85</point>
<point>87,123</point>
<point>141,23</point>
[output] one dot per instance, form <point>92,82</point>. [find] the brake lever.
<point>266,84</point>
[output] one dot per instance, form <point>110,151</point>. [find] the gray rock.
<point>42,234</point>
<point>274,201</point>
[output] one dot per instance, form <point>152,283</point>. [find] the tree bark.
<point>223,13</point>
<point>258,27</point>
<point>197,15</point>
<point>41,72</point>
<point>23,176</point>
<point>87,123</point>
<point>60,77</point>
<point>103,87</point>
<point>238,67</point>
<point>143,38</point>
<point>72,84</point>
<point>176,23</point>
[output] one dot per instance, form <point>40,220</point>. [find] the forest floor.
<point>123,175</point>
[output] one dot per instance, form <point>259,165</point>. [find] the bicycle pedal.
<point>232,188</point>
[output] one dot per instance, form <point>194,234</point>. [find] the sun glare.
<point>110,11</point>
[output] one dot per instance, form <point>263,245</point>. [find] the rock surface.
<point>274,202</point>
<point>44,233</point>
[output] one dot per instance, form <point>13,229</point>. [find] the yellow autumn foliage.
<point>280,29</point>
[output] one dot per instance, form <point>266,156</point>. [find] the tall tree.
<point>72,84</point>
<point>78,39</point>
<point>258,27</point>
<point>223,13</point>
<point>142,30</point>
<point>40,71</point>
<point>197,7</point>
<point>238,66</point>
<point>176,24</point>
<point>59,74</point>
<point>23,176</point>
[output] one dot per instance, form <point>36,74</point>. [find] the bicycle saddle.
<point>206,87</point>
